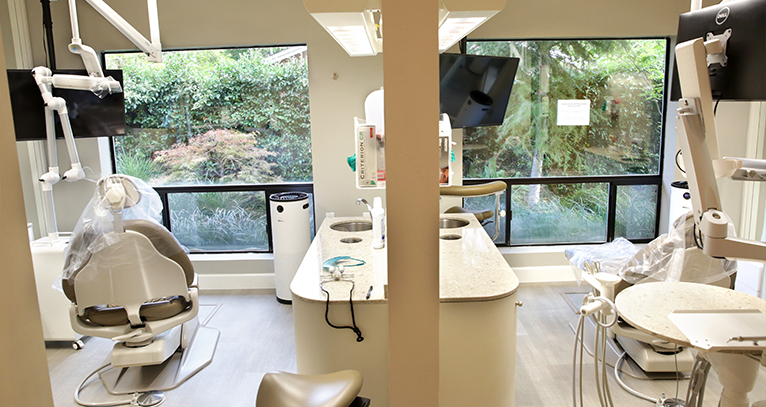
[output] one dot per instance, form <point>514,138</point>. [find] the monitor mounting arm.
<point>95,82</point>
<point>697,137</point>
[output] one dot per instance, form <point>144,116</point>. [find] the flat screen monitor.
<point>744,76</point>
<point>89,115</point>
<point>474,90</point>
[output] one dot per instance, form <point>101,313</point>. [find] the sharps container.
<point>291,236</point>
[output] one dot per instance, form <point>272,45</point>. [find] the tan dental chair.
<point>471,191</point>
<point>339,389</point>
<point>670,257</point>
<point>132,282</point>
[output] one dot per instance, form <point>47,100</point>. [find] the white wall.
<point>732,123</point>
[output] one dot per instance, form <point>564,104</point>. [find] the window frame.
<point>613,181</point>
<point>268,189</point>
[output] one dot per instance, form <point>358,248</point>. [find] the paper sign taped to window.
<point>573,112</point>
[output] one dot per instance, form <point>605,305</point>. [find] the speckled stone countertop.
<point>470,267</point>
<point>647,306</point>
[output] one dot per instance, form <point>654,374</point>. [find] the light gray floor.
<point>257,336</point>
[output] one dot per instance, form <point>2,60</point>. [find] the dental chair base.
<point>651,361</point>
<point>165,375</point>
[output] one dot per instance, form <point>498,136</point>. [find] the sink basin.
<point>447,223</point>
<point>351,240</point>
<point>352,226</point>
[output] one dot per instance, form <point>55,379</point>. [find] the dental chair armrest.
<point>489,188</point>
<point>149,330</point>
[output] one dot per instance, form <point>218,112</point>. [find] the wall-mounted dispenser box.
<point>445,151</point>
<point>370,155</point>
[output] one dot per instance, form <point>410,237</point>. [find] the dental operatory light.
<point>94,82</point>
<point>357,24</point>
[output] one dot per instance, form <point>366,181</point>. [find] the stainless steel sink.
<point>447,223</point>
<point>352,226</point>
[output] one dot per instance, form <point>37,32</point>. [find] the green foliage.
<point>636,211</point>
<point>138,165</point>
<point>558,218</point>
<point>223,229</point>
<point>218,156</point>
<point>220,220</point>
<point>143,142</point>
<point>624,80</point>
<point>193,92</point>
<point>623,137</point>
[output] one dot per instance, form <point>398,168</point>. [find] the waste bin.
<point>291,236</point>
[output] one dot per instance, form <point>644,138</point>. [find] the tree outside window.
<point>624,82</point>
<point>216,117</point>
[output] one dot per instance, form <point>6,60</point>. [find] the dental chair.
<point>339,389</point>
<point>130,281</point>
<point>473,191</point>
<point>671,257</point>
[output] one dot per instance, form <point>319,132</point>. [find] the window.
<point>581,144</point>
<point>215,132</point>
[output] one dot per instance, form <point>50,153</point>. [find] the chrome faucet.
<point>362,200</point>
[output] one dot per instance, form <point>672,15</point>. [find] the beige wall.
<point>586,18</point>
<point>23,365</point>
<point>5,30</point>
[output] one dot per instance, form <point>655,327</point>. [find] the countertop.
<point>647,306</point>
<point>471,267</point>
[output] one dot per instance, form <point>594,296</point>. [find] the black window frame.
<point>268,189</point>
<point>613,181</point>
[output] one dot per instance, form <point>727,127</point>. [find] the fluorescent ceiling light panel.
<point>454,29</point>
<point>352,24</point>
<point>353,38</point>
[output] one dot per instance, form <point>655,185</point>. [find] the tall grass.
<point>138,165</point>
<point>219,220</point>
<point>221,229</point>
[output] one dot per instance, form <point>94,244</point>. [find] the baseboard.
<point>545,274</point>
<point>251,281</point>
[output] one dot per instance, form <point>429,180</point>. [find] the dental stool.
<point>131,281</point>
<point>472,191</point>
<point>339,389</point>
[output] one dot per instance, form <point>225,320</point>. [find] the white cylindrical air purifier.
<point>291,237</point>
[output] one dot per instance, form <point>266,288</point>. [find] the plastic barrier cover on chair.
<point>95,229</point>
<point>672,257</point>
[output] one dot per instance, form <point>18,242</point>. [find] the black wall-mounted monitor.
<point>89,115</point>
<point>744,76</point>
<point>474,90</point>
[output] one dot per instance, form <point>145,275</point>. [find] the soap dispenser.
<point>378,224</point>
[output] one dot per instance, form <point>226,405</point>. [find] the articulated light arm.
<point>152,49</point>
<point>94,82</point>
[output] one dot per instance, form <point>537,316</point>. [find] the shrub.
<point>218,156</point>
